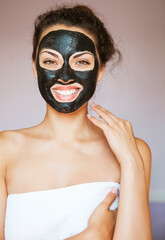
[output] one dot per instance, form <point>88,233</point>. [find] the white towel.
<point>54,214</point>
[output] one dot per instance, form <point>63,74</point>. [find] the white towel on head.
<point>54,214</point>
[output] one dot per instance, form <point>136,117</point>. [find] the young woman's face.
<point>67,67</point>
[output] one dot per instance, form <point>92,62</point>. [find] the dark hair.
<point>79,16</point>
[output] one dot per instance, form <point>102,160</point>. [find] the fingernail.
<point>114,190</point>
<point>93,104</point>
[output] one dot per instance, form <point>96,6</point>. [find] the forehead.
<point>67,42</point>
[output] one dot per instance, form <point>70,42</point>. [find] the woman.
<point>53,175</point>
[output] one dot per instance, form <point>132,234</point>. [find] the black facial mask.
<point>67,43</point>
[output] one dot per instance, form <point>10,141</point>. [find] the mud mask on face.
<point>67,43</point>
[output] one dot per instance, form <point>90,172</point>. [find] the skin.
<point>58,149</point>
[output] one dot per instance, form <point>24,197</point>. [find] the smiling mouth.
<point>66,93</point>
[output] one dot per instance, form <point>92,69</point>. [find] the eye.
<point>82,62</point>
<point>49,62</point>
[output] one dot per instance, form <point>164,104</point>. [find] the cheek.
<point>45,79</point>
<point>87,78</point>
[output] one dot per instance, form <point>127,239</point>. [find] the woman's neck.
<point>68,127</point>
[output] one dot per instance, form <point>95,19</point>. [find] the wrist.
<point>133,171</point>
<point>133,162</point>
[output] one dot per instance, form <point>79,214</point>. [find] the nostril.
<point>70,80</point>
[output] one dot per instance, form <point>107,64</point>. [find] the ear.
<point>34,69</point>
<point>101,71</point>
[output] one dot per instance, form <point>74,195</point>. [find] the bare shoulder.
<point>144,149</point>
<point>8,135</point>
<point>6,148</point>
<point>146,155</point>
<point>11,142</point>
<point>13,137</point>
<point>6,141</point>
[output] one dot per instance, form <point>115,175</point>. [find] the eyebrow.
<point>80,54</point>
<point>77,55</point>
<point>53,54</point>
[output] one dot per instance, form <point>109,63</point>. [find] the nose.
<point>66,73</point>
<point>70,80</point>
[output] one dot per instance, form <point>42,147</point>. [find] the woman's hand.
<point>102,221</point>
<point>135,167</point>
<point>118,132</point>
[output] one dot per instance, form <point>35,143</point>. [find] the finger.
<point>115,212</point>
<point>105,115</point>
<point>97,122</point>
<point>103,109</point>
<point>115,118</point>
<point>110,197</point>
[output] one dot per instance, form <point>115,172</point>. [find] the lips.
<point>67,87</point>
<point>66,93</point>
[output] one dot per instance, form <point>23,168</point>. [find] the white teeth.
<point>67,92</point>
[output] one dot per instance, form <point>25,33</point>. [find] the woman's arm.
<point>3,192</point>
<point>134,156</point>
<point>84,235</point>
<point>101,222</point>
<point>3,197</point>
<point>133,219</point>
